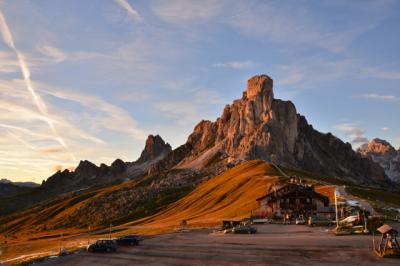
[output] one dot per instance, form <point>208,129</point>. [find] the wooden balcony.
<point>300,206</point>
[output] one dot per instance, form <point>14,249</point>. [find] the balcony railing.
<point>293,206</point>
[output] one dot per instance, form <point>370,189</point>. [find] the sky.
<point>92,79</point>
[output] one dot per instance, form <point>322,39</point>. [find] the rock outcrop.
<point>382,152</point>
<point>258,126</point>
<point>155,148</point>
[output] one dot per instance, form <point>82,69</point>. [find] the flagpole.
<point>336,210</point>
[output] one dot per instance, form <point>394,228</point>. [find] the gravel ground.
<point>272,245</point>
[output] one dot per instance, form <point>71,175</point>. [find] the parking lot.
<point>272,245</point>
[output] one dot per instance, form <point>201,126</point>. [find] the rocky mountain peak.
<point>86,169</point>
<point>258,126</point>
<point>377,146</point>
<point>382,152</point>
<point>154,148</point>
<point>261,84</point>
<point>118,166</point>
<point>85,166</point>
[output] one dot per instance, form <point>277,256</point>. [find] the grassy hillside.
<point>233,194</point>
<point>230,195</point>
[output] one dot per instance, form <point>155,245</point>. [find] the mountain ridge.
<point>87,175</point>
<point>258,126</point>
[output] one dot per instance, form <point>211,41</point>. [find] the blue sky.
<point>91,79</point>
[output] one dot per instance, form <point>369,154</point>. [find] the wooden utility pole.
<point>336,210</point>
<point>88,241</point>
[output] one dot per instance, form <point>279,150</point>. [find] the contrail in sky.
<point>41,105</point>
<point>128,7</point>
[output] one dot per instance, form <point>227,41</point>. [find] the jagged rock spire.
<point>154,148</point>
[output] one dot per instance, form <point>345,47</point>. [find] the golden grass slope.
<point>230,195</point>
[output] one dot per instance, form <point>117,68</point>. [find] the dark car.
<point>131,240</point>
<point>319,221</point>
<point>244,229</point>
<point>105,245</point>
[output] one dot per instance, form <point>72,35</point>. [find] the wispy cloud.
<point>302,25</point>
<point>236,64</point>
<point>40,104</point>
<point>184,113</point>
<point>88,124</point>
<point>353,132</point>
<point>8,64</point>
<point>129,9</point>
<point>317,70</point>
<point>207,97</point>
<point>105,114</point>
<point>52,52</point>
<point>184,11</point>
<point>382,73</point>
<point>385,129</point>
<point>296,25</point>
<point>380,97</point>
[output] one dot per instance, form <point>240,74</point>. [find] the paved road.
<point>365,204</point>
<point>272,245</point>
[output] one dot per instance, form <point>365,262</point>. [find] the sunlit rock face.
<point>258,126</point>
<point>385,154</point>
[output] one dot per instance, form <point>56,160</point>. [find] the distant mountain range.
<point>85,176</point>
<point>255,127</point>
<point>20,184</point>
<point>9,188</point>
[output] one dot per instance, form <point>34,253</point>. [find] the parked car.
<point>319,221</point>
<point>229,224</point>
<point>131,240</point>
<point>244,229</point>
<point>261,221</point>
<point>300,220</point>
<point>103,245</point>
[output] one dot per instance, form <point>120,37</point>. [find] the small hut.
<point>388,246</point>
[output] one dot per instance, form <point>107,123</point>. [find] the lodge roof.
<point>290,187</point>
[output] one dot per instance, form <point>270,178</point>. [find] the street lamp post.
<point>336,210</point>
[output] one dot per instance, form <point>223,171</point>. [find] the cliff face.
<point>383,153</point>
<point>258,126</point>
<point>155,148</point>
